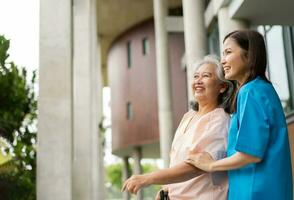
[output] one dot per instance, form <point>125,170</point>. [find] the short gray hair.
<point>225,98</point>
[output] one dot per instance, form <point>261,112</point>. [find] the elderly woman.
<point>202,129</point>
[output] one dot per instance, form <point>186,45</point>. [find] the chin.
<point>197,97</point>
<point>228,77</point>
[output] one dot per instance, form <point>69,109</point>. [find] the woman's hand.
<point>135,183</point>
<point>202,160</point>
<point>205,162</point>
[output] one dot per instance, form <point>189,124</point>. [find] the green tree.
<point>18,107</point>
<point>114,180</point>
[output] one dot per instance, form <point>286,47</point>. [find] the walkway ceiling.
<point>264,12</point>
<point>117,16</point>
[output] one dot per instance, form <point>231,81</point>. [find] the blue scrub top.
<point>259,128</point>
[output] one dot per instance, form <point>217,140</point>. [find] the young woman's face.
<point>206,86</point>
<point>234,62</point>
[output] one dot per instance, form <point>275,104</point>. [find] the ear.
<point>223,88</point>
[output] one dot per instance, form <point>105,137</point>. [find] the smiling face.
<point>206,86</point>
<point>234,62</point>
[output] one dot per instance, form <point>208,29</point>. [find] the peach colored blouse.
<point>208,133</point>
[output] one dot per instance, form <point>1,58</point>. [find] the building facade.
<point>132,78</point>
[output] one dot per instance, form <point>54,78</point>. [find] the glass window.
<point>288,33</point>
<point>277,68</point>
<point>213,41</point>
<point>145,46</point>
<point>130,113</point>
<point>177,11</point>
<point>129,52</point>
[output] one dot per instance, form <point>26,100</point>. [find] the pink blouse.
<point>208,133</point>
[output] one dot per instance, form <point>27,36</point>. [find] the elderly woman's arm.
<point>206,163</point>
<point>178,173</point>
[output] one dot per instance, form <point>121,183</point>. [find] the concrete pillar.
<point>226,24</point>
<point>125,176</point>
<point>55,102</point>
<point>138,168</point>
<point>99,88</point>
<point>163,80</point>
<point>195,37</point>
<point>98,186</point>
<point>86,80</point>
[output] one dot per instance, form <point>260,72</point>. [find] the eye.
<point>206,75</point>
<point>226,52</point>
<point>196,76</point>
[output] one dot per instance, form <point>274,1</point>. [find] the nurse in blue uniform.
<point>259,161</point>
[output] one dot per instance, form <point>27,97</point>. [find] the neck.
<point>206,107</point>
<point>242,79</point>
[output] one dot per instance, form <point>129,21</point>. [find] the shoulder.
<point>218,122</point>
<point>189,113</point>
<point>256,97</point>
<point>219,115</point>
<point>257,86</point>
<point>256,90</point>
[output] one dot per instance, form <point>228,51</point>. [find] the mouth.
<point>226,69</point>
<point>198,88</point>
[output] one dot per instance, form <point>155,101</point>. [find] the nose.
<point>198,80</point>
<point>223,60</point>
<point>196,83</point>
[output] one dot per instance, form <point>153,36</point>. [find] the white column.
<point>195,37</point>
<point>125,176</point>
<point>138,168</point>
<point>98,86</point>
<point>98,186</point>
<point>226,24</point>
<point>54,157</point>
<point>85,137</point>
<point>163,80</point>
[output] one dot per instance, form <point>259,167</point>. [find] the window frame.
<point>288,38</point>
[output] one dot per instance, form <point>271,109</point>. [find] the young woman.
<point>202,129</point>
<point>258,161</point>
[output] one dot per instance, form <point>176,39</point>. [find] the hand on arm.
<point>178,173</point>
<point>205,162</point>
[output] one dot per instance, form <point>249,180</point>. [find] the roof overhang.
<point>263,12</point>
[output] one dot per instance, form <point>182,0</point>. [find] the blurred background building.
<point>144,51</point>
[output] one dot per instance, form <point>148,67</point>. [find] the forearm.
<point>235,161</point>
<point>178,173</point>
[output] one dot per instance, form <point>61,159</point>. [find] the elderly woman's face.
<point>206,85</point>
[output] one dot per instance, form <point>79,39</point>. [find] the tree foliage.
<point>18,107</point>
<point>114,180</point>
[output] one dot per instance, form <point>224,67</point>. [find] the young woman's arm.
<point>203,161</point>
